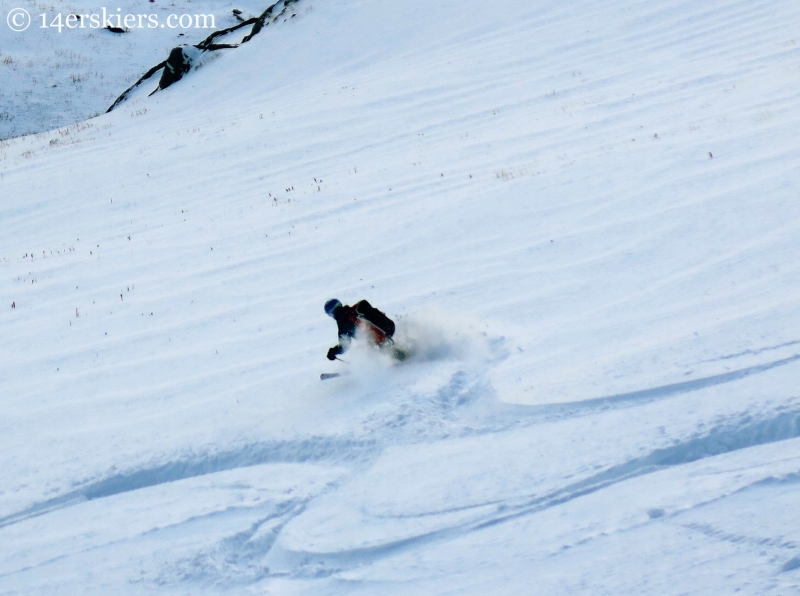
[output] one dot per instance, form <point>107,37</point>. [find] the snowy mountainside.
<point>54,75</point>
<point>586,219</point>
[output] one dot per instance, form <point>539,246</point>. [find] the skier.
<point>363,318</point>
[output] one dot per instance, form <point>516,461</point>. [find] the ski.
<point>325,376</point>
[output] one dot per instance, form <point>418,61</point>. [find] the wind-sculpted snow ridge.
<point>181,61</point>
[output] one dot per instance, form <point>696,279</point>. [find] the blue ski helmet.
<point>331,306</point>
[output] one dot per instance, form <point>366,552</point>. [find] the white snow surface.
<point>584,218</point>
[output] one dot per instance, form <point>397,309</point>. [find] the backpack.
<point>372,315</point>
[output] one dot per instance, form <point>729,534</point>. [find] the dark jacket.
<point>378,326</point>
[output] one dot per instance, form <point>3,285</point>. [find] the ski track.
<point>457,393</point>
<point>238,560</point>
<point>621,194</point>
<point>718,441</point>
<point>655,393</point>
<point>418,417</point>
<point>312,449</point>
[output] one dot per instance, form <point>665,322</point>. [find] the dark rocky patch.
<point>179,63</point>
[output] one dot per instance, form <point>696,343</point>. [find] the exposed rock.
<point>177,65</point>
<point>182,58</point>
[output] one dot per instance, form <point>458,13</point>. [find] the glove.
<point>334,352</point>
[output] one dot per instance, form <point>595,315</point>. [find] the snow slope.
<point>52,78</point>
<point>585,219</point>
